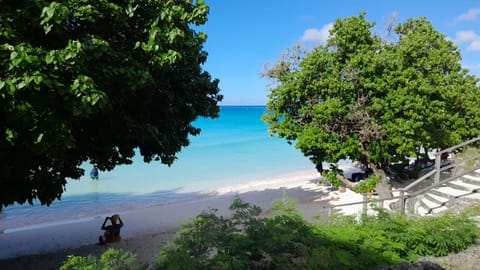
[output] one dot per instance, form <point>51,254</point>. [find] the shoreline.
<point>56,214</point>
<point>144,228</point>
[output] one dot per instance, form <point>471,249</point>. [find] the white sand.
<point>155,220</point>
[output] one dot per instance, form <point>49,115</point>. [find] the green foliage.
<point>243,241</point>
<point>111,259</point>
<point>331,176</point>
<point>400,238</point>
<point>285,241</point>
<point>440,236</point>
<point>286,207</point>
<point>368,185</point>
<point>372,100</point>
<point>96,81</point>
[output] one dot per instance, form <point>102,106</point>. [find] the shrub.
<point>331,176</point>
<point>368,185</point>
<point>285,240</point>
<point>111,259</point>
<point>399,238</point>
<point>243,241</point>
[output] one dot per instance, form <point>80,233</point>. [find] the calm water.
<point>231,150</point>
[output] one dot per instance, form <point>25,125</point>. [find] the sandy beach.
<point>147,230</point>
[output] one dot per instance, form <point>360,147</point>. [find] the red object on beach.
<point>100,241</point>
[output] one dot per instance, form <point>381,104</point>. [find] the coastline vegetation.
<point>372,99</point>
<point>79,87</point>
<point>97,81</point>
<point>284,240</point>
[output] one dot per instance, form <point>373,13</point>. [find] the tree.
<point>93,81</point>
<point>373,100</point>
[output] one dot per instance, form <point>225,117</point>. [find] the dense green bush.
<point>285,241</point>
<point>395,238</point>
<point>111,259</point>
<point>245,240</point>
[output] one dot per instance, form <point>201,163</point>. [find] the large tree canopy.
<point>89,80</point>
<point>374,100</point>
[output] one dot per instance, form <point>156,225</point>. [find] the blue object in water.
<point>94,173</point>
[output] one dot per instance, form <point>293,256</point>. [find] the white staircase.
<point>450,183</point>
<point>445,196</point>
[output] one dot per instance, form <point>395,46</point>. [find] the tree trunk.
<point>383,189</point>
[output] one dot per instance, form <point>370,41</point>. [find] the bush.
<point>399,238</point>
<point>368,185</point>
<point>111,259</point>
<point>331,176</point>
<point>243,241</point>
<point>285,240</point>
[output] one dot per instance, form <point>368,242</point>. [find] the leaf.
<point>13,55</point>
<point>47,28</point>
<point>38,79</point>
<point>11,87</point>
<point>49,57</point>
<point>21,85</point>
<point>39,138</point>
<point>10,135</point>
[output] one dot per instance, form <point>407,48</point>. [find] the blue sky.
<point>244,36</point>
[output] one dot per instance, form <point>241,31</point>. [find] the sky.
<point>245,37</point>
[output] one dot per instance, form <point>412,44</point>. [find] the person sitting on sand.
<point>112,231</point>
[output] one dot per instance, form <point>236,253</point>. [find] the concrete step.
<point>457,186</point>
<point>426,202</point>
<point>437,200</point>
<point>449,190</point>
<point>471,179</point>
<point>426,206</point>
<point>473,175</point>
<point>438,193</point>
<point>439,210</point>
<point>422,211</point>
<point>465,185</point>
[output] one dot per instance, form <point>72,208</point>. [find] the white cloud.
<point>317,35</point>
<point>471,14</point>
<point>475,45</point>
<point>465,36</point>
<point>470,38</point>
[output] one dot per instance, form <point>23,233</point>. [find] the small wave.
<point>278,181</point>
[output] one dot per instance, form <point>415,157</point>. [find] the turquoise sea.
<point>233,149</point>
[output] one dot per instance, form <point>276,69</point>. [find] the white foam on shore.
<point>296,179</point>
